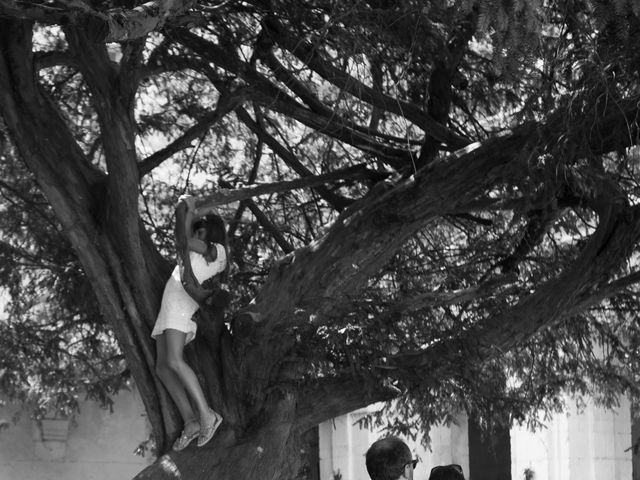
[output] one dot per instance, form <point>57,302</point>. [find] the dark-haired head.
<point>214,228</point>
<point>387,458</point>
<point>447,472</point>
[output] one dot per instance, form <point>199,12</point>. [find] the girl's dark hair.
<point>216,232</point>
<point>214,227</point>
<point>447,472</point>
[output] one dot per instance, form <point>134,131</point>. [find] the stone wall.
<point>98,445</point>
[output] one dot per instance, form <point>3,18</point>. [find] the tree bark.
<point>248,375</point>
<point>274,98</point>
<point>266,449</point>
<point>310,57</point>
<point>75,190</point>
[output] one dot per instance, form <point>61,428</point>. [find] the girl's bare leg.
<point>175,340</point>
<point>171,381</point>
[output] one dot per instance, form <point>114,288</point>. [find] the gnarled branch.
<point>310,57</point>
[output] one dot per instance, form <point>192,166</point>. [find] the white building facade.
<point>594,444</point>
<point>94,445</point>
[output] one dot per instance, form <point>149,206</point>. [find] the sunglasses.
<point>413,463</point>
<point>455,466</point>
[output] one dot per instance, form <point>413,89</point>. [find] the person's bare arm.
<point>186,216</point>
<point>197,245</point>
<point>184,220</point>
<point>184,242</point>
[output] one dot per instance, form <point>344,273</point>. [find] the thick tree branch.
<point>441,83</point>
<point>273,98</point>
<point>604,292</point>
<point>223,197</point>
<point>310,56</point>
<point>335,127</point>
<point>119,25</point>
<point>615,238</point>
<point>130,69</point>
<point>377,78</point>
<point>366,237</point>
<point>369,234</point>
<point>114,108</point>
<point>554,301</point>
<point>331,397</point>
<point>285,76</point>
<point>53,59</point>
<point>31,11</point>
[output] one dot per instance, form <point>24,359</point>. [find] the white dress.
<point>177,306</point>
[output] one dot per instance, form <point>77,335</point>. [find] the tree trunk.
<point>248,377</point>
<point>77,193</point>
<point>100,217</point>
<point>265,449</point>
<point>99,214</point>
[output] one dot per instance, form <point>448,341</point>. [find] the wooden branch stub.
<point>119,25</point>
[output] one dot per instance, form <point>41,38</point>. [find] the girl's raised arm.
<point>184,224</point>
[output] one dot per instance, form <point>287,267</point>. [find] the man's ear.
<point>406,473</point>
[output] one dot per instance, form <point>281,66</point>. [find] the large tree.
<point>428,202</point>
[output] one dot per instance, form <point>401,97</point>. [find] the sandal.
<point>206,433</point>
<point>186,438</point>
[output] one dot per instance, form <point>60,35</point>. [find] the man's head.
<point>389,459</point>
